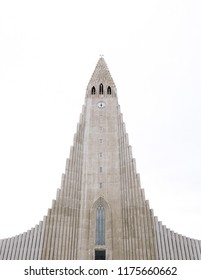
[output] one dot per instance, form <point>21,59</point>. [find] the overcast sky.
<point>48,51</point>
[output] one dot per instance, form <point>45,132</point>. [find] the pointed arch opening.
<point>109,91</point>
<point>100,232</point>
<point>93,90</point>
<point>101,89</point>
<point>100,225</point>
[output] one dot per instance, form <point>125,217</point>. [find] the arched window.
<point>101,89</point>
<point>100,225</point>
<point>93,90</point>
<point>109,90</point>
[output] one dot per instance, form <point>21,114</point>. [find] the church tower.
<point>110,186</point>
<point>100,211</point>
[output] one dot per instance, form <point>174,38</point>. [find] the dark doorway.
<point>99,254</point>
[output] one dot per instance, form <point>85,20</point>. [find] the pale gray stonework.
<point>100,172</point>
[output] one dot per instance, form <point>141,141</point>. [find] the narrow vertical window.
<point>101,89</point>
<point>101,169</point>
<point>100,154</point>
<point>93,90</point>
<point>109,90</point>
<point>100,225</point>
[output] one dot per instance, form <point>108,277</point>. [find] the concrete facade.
<point>100,210</point>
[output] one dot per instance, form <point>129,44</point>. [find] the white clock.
<point>101,104</point>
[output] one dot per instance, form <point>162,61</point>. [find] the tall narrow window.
<point>100,225</point>
<point>93,90</point>
<point>101,89</point>
<point>109,90</point>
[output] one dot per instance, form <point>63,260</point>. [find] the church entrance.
<point>100,255</point>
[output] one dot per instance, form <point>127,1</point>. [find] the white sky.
<point>48,51</point>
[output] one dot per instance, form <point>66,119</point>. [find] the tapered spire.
<point>101,75</point>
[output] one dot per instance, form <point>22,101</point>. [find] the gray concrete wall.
<point>174,246</point>
<point>26,246</point>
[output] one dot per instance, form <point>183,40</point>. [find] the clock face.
<point>101,104</point>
